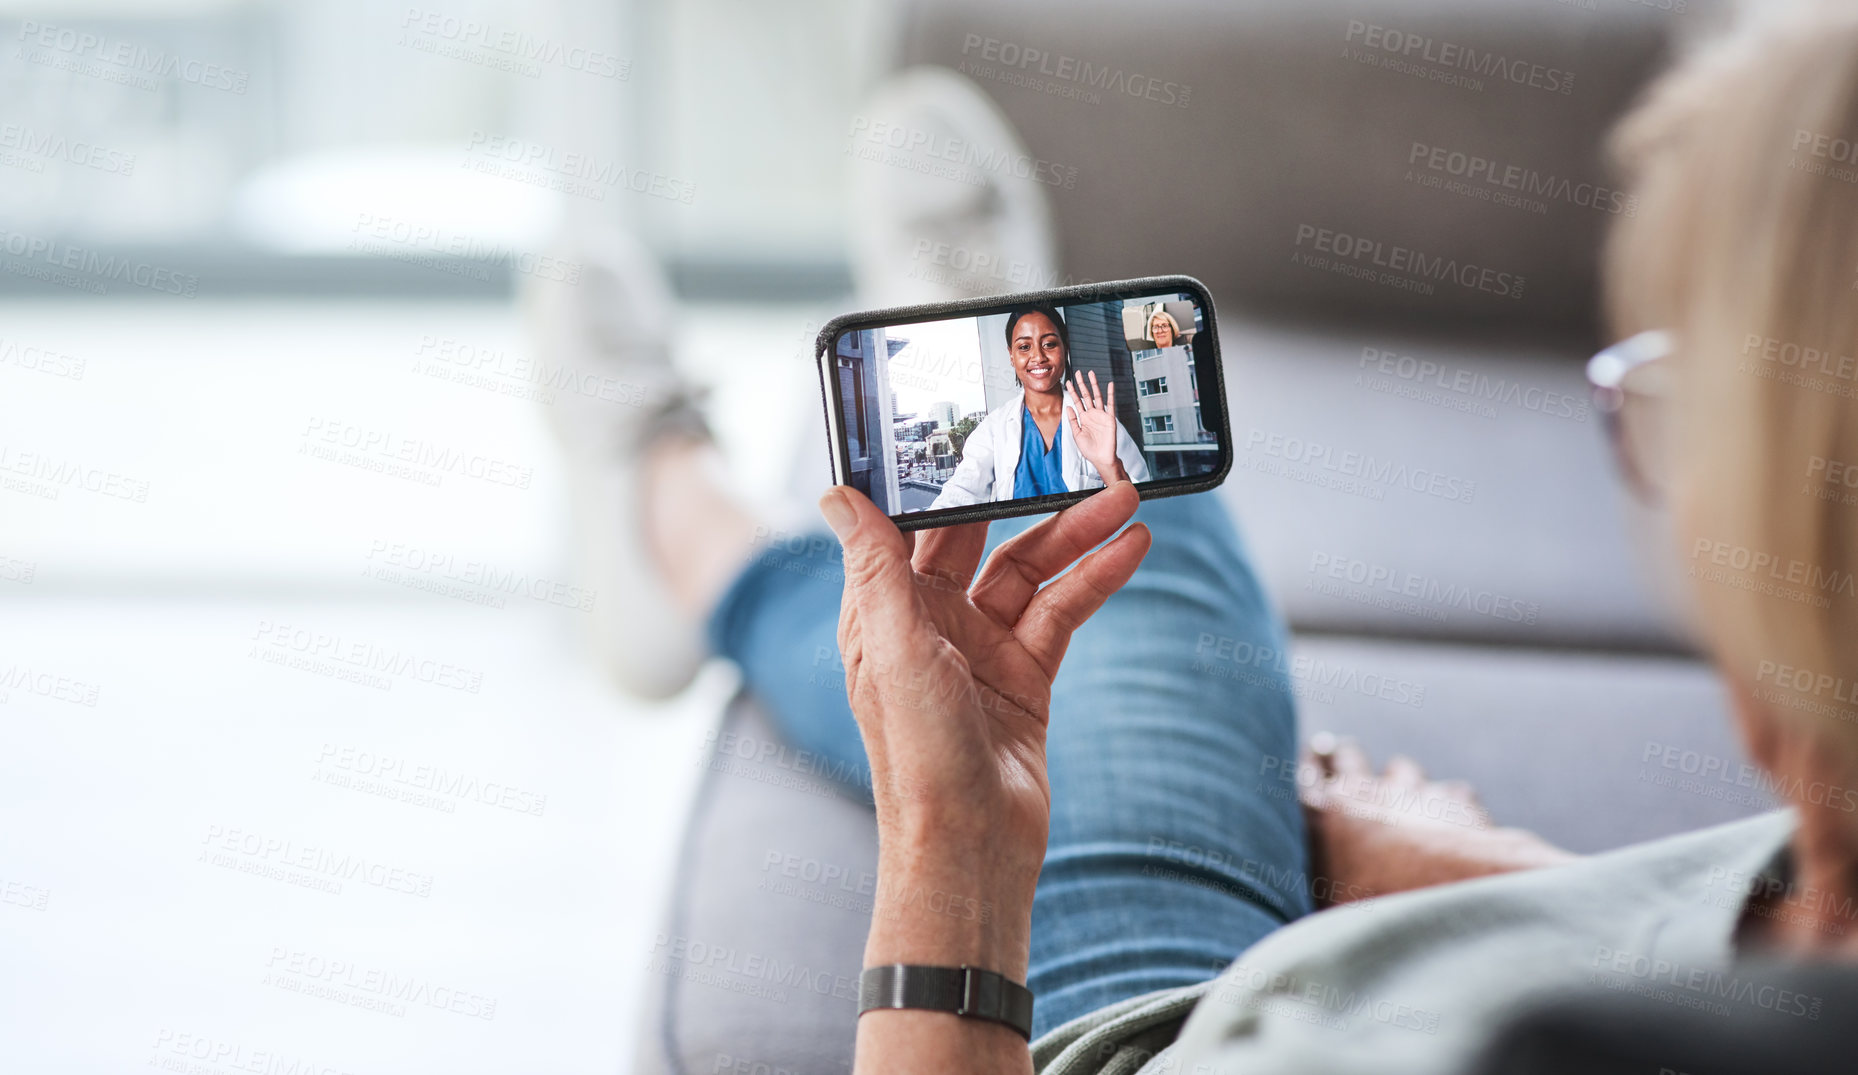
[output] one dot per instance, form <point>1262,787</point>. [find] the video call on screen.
<point>943,414</point>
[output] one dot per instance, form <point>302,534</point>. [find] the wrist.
<point>946,914</point>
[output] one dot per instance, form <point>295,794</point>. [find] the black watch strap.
<point>967,991</point>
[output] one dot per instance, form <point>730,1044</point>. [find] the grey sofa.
<point>1531,656</point>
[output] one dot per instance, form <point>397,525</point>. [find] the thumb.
<point>878,577</point>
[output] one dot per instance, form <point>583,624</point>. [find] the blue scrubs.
<point>1041,469</point>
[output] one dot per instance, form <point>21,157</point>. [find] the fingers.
<point>1320,753</point>
<point>1317,769</point>
<point>1061,608</point>
<point>878,582</point>
<point>1351,760</point>
<point>1089,395</point>
<point>1016,570</point>
<point>951,554</point>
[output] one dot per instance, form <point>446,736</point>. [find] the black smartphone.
<point>1021,404</point>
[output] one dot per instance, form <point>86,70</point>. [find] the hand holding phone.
<point>1022,404</point>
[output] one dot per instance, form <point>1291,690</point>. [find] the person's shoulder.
<point>1005,412</point>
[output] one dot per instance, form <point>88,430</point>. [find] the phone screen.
<point>1028,402</point>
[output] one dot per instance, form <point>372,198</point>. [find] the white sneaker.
<point>926,228</point>
<point>609,335</point>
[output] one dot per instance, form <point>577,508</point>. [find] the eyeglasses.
<point>1631,385</point>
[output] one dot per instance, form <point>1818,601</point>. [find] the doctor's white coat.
<point>991,455</point>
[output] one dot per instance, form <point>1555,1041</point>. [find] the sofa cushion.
<point>754,970</point>
<point>1420,486</point>
<point>1224,139</point>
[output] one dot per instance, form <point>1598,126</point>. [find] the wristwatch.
<point>966,991</point>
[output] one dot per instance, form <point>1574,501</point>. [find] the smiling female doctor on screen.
<point>1052,439</point>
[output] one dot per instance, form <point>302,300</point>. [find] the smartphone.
<point>1021,404</point>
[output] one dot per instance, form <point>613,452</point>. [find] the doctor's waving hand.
<point>1054,438</point>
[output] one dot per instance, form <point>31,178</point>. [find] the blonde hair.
<point>1148,326</point>
<point>1744,244</point>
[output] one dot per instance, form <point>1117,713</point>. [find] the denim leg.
<point>1176,838</point>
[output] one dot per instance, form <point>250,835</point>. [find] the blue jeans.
<point>1176,839</point>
